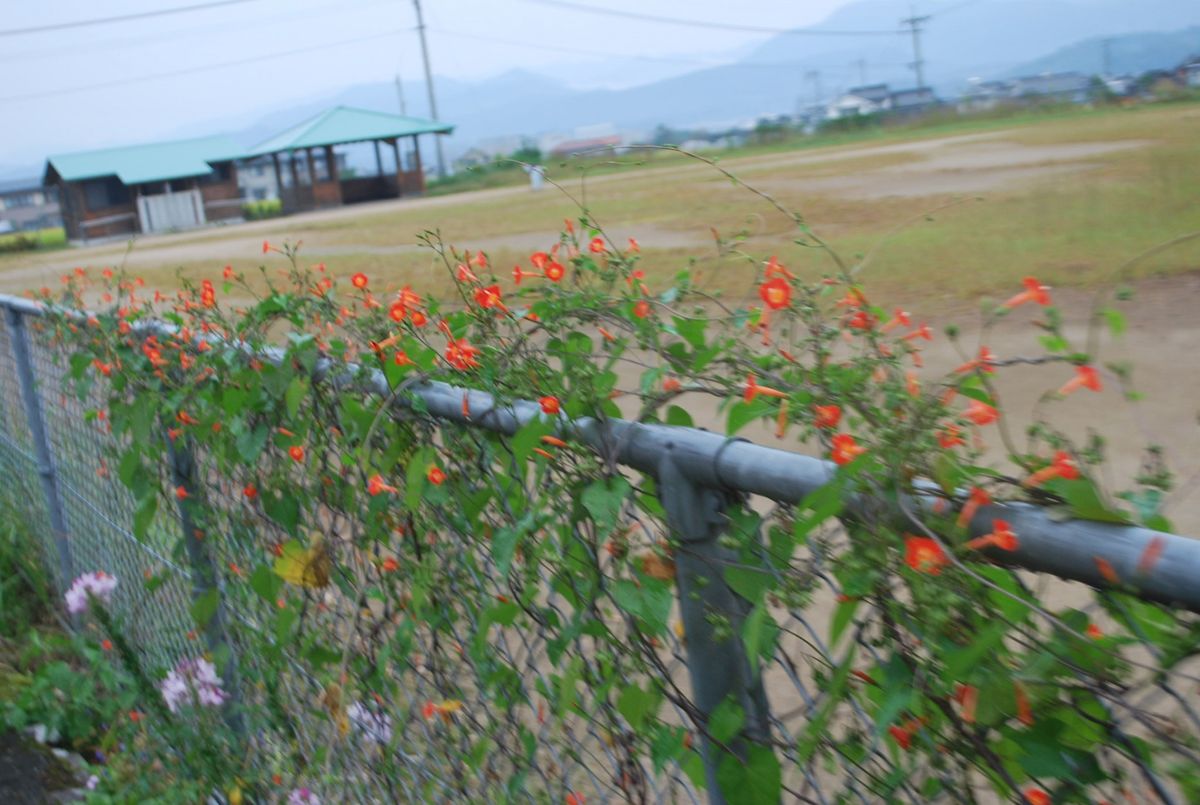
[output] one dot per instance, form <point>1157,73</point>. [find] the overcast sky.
<point>77,88</point>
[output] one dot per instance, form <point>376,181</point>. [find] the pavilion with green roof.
<point>306,166</point>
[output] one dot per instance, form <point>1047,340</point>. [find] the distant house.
<point>155,187</point>
<point>593,145</point>
<point>1060,87</point>
<point>26,205</point>
<point>865,100</point>
<point>473,158</point>
<point>914,101</point>
<point>1191,72</point>
<point>983,96</point>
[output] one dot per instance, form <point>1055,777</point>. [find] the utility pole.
<point>862,72</point>
<point>815,77</point>
<point>400,95</point>
<point>1106,57</point>
<point>437,138</point>
<point>914,24</point>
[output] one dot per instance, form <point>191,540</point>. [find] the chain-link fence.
<point>725,504</point>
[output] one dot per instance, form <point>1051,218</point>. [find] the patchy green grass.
<point>49,238</point>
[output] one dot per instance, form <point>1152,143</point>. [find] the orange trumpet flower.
<point>1063,466</point>
<point>1034,292</point>
<point>1085,377</point>
<point>753,389</point>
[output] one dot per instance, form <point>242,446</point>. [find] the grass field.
<point>49,238</point>
<point>1054,202</point>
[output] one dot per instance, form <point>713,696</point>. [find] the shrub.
<point>266,208</point>
<point>451,612</point>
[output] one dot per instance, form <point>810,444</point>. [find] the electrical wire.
<point>162,12</point>
<point>199,69</point>
<point>721,26</point>
<point>161,37</point>
<point>576,51</point>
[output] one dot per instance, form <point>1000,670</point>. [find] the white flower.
<point>99,585</point>
<point>193,681</point>
<point>302,796</point>
<point>376,726</point>
<point>92,782</point>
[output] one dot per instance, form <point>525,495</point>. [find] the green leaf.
<point>650,602</point>
<point>250,443</point>
<point>283,508</point>
<point>814,733</point>
<point>144,516</point>
<point>205,606</point>
<point>743,413</point>
<point>1115,320</point>
<point>822,503</point>
<point>504,541</point>
<point>296,391</point>
<point>691,330</point>
<point>757,781</point>
<point>603,499</point>
<point>265,583</point>
<point>726,721</point>
<point>1084,500</point>
<point>530,437</point>
<point>414,486</point>
<point>759,633</point>
<point>635,705</point>
<point>960,662</point>
<point>568,692</point>
<point>679,417</point>
<point>750,583</point>
<point>843,616</point>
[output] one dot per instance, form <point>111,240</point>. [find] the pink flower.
<point>376,726</point>
<point>193,681</point>
<point>98,585</point>
<point>302,796</point>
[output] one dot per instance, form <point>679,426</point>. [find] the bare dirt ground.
<point>969,163</point>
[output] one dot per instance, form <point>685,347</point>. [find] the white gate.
<point>167,211</point>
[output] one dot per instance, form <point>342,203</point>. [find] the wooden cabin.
<point>139,189</point>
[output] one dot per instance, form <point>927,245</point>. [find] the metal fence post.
<point>712,613</point>
<point>204,577</point>
<point>46,470</point>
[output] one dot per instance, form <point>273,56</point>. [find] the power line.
<point>721,26</point>
<point>163,37</point>
<point>575,51</point>
<point>62,26</point>
<point>199,69</point>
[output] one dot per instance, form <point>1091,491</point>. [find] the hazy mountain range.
<point>979,38</point>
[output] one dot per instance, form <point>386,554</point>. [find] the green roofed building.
<point>305,163</point>
<point>162,187</point>
<point>155,187</point>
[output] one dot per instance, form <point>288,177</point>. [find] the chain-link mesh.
<point>391,750</point>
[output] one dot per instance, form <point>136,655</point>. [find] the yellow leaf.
<point>304,567</point>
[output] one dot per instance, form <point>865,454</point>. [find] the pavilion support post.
<point>331,165</point>
<point>378,159</point>
<point>312,166</point>
<point>399,167</point>
<point>417,164</point>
